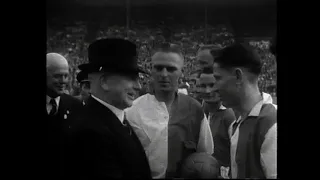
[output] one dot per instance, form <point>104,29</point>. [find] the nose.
<point>164,72</point>
<point>208,90</point>
<point>65,79</point>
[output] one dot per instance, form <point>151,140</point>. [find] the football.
<point>200,165</point>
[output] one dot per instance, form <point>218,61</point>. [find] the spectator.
<point>219,117</point>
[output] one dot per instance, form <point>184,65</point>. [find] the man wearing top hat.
<point>104,144</point>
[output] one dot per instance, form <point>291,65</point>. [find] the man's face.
<point>85,88</point>
<point>226,86</point>
<point>122,90</point>
<point>207,92</point>
<point>57,78</point>
<point>166,70</point>
<point>204,58</point>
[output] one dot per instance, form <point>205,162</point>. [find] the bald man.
<point>62,110</point>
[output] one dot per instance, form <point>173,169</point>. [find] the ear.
<point>103,83</point>
<point>238,74</point>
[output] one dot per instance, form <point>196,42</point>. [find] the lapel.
<point>108,120</point>
<point>104,116</point>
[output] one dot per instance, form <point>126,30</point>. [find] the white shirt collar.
<point>255,111</point>
<point>267,98</point>
<point>57,99</point>
<point>118,112</point>
<point>222,107</point>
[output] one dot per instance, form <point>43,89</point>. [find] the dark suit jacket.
<point>59,131</point>
<point>102,147</point>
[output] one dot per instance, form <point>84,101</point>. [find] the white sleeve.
<point>269,153</point>
<point>205,143</point>
<point>134,118</point>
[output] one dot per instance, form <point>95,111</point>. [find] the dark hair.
<point>239,55</point>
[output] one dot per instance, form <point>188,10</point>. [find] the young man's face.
<point>166,70</point>
<point>225,85</point>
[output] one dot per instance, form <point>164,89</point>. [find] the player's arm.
<point>205,142</point>
<point>269,153</point>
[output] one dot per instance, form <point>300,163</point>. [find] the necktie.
<point>126,125</point>
<point>54,107</point>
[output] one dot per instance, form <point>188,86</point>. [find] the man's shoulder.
<point>267,117</point>
<point>185,99</point>
<point>146,98</point>
<point>268,111</point>
<point>228,116</point>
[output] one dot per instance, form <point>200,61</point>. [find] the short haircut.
<point>240,55</point>
<point>169,48</point>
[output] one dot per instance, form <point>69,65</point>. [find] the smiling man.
<point>62,110</point>
<point>219,117</point>
<point>104,144</point>
<point>170,125</point>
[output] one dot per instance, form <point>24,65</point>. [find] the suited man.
<point>104,143</point>
<point>62,109</point>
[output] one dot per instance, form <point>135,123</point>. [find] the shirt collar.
<point>222,107</point>
<point>267,98</point>
<point>118,112</point>
<point>57,99</point>
<point>255,111</point>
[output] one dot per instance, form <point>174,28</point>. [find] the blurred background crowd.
<point>72,37</point>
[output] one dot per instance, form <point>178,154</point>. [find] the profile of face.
<point>57,77</point>
<point>226,85</point>
<point>205,58</point>
<point>207,93</point>
<point>121,90</point>
<point>166,71</point>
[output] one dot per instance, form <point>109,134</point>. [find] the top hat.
<point>112,55</point>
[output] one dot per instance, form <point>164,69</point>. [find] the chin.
<point>128,103</point>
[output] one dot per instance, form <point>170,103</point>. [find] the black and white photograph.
<point>162,89</point>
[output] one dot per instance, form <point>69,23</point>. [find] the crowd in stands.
<point>71,43</point>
